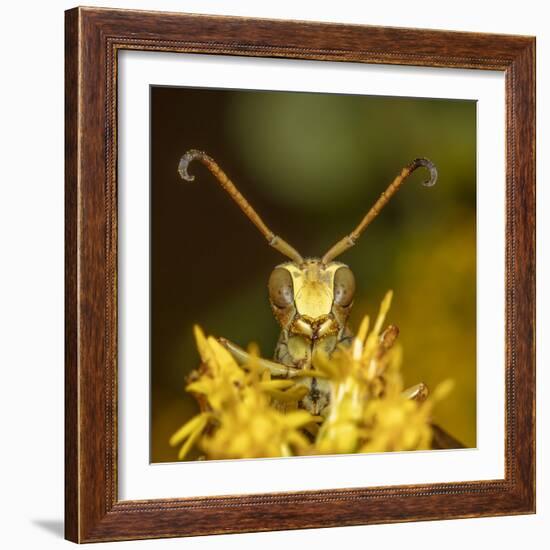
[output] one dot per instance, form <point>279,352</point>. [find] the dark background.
<point>311,165</point>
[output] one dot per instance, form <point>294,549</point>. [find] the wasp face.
<point>312,299</point>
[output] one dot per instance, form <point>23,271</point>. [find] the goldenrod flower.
<point>246,414</point>
<point>238,406</point>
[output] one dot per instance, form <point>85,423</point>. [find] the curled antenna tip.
<point>185,161</point>
<point>426,163</point>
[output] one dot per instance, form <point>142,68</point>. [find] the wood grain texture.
<point>71,269</point>
<point>93,38</point>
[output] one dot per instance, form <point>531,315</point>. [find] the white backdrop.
<point>139,479</point>
<point>31,289</point>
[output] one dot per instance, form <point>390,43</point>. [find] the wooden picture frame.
<point>93,511</point>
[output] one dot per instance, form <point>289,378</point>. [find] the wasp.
<point>311,298</point>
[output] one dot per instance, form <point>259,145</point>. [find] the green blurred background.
<point>311,165</point>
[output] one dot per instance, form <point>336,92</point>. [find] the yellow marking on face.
<point>299,348</point>
<point>313,287</point>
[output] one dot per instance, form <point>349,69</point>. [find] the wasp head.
<point>311,299</point>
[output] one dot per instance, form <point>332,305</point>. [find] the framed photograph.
<point>300,275</point>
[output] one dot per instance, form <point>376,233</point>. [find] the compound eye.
<point>344,286</point>
<point>281,291</point>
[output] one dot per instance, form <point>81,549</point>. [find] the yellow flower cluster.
<point>369,411</point>
<point>239,420</point>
